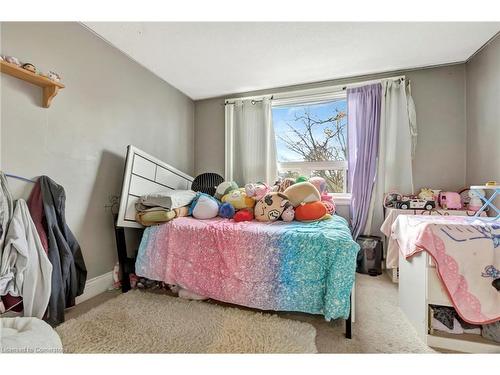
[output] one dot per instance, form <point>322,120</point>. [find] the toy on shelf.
<point>29,67</point>
<point>415,204</point>
<point>450,200</point>
<point>408,202</point>
<point>53,76</point>
<point>12,60</point>
<point>479,191</point>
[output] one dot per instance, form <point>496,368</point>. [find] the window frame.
<point>307,167</point>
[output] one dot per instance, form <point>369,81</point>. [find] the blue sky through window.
<point>285,115</point>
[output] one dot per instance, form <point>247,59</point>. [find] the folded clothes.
<point>158,215</point>
<point>168,199</point>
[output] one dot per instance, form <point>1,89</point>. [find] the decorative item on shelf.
<point>53,76</point>
<point>1,58</point>
<point>50,87</point>
<point>12,60</point>
<point>29,67</point>
<point>450,200</point>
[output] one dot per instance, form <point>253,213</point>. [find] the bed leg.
<point>348,322</point>
<point>121,247</point>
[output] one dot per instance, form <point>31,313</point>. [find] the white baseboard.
<point>95,286</point>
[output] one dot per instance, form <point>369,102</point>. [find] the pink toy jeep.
<point>450,200</point>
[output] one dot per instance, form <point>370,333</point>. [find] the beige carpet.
<point>380,325</point>
<point>142,322</point>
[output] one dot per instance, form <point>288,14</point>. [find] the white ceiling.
<point>213,59</point>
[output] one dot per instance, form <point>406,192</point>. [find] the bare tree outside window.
<point>314,133</point>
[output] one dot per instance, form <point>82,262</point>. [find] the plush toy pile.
<point>304,199</point>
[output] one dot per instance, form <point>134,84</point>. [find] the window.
<point>311,140</point>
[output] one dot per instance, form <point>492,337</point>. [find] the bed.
<point>303,267</point>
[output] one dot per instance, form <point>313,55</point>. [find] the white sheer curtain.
<point>250,142</point>
<point>396,145</point>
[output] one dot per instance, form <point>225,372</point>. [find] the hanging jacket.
<point>35,205</point>
<point>69,273</point>
<point>25,270</point>
<point>7,301</point>
<point>6,209</point>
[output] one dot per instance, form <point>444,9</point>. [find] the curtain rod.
<point>311,91</point>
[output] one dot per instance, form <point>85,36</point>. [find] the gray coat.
<point>69,273</point>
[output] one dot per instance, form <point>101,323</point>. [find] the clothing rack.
<point>19,178</point>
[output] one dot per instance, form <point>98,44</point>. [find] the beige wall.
<point>109,102</point>
<point>439,95</point>
<point>483,115</point>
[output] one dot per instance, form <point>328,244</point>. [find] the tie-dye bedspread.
<point>306,267</point>
<point>466,251</point>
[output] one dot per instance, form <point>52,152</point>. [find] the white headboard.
<point>145,174</point>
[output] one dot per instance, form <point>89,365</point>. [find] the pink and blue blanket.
<point>306,267</point>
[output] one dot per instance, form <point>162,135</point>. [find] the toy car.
<point>415,204</point>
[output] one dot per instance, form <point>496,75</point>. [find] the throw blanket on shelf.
<point>307,267</point>
<point>466,251</point>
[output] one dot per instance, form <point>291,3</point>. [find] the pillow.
<point>168,199</point>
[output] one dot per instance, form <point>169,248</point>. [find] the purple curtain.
<point>363,111</point>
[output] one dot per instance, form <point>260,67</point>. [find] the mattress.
<point>305,267</point>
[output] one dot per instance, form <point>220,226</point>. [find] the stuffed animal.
<point>301,179</point>
<point>281,185</point>
<point>312,211</point>
<point>12,60</point>
<point>319,183</point>
<point>225,188</point>
<point>288,213</point>
<point>302,192</point>
<point>243,215</point>
<point>204,206</point>
<point>239,199</point>
<point>257,191</point>
<point>226,210</point>
<point>29,67</point>
<point>271,206</point>
<point>53,76</point>
<point>330,206</point>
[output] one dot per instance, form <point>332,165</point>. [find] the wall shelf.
<point>50,88</point>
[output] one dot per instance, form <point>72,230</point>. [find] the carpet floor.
<point>380,326</point>
<point>142,322</point>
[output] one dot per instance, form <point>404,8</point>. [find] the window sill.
<point>341,199</point>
